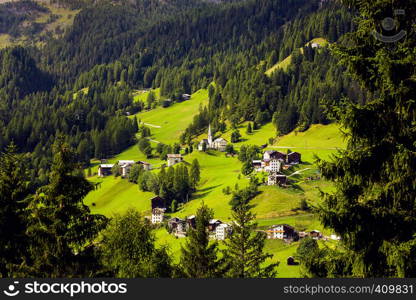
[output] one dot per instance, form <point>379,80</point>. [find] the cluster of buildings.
<point>218,144</point>
<point>179,227</point>
<point>289,234</point>
<point>217,229</point>
<point>125,167</point>
<point>274,162</point>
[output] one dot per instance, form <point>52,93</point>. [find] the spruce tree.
<point>199,258</point>
<point>195,173</point>
<point>245,247</point>
<point>14,190</point>
<point>128,248</point>
<point>61,228</point>
<point>373,208</point>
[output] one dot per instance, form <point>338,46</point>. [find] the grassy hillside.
<point>167,124</point>
<point>320,140</point>
<point>285,63</point>
<point>141,95</point>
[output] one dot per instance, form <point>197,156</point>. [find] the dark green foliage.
<point>373,208</point>
<point>303,205</point>
<point>235,136</point>
<point>62,230</point>
<point>249,129</point>
<point>14,14</point>
<point>245,247</point>
<point>128,249</point>
<point>199,258</point>
<point>229,149</point>
<point>116,170</point>
<point>247,168</point>
<point>144,147</point>
<point>14,189</point>
<point>242,197</point>
<point>135,172</point>
<point>195,173</point>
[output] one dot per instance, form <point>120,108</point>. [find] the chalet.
<point>125,166</point>
<point>191,222</point>
<point>157,215</point>
<point>281,232</point>
<point>293,158</point>
<point>257,165</point>
<point>146,166</point>
<point>271,154</point>
<point>277,179</point>
<point>274,166</point>
<point>315,234</point>
<point>177,225</point>
<point>220,144</point>
<point>105,170</point>
<point>213,224</point>
<point>186,96</point>
<point>222,231</point>
<point>174,159</point>
<point>158,202</point>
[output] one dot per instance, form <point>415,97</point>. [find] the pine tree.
<point>199,258</point>
<point>62,229</point>
<point>128,249</point>
<point>13,219</point>
<point>373,208</point>
<point>195,173</point>
<point>245,247</point>
<point>249,129</point>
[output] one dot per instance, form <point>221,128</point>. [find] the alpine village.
<point>207,139</point>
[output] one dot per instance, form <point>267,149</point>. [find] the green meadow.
<point>141,95</point>
<point>167,124</point>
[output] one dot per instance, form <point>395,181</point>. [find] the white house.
<point>222,231</point>
<point>157,215</point>
<point>274,165</point>
<point>281,232</point>
<point>220,144</point>
<point>146,166</point>
<point>105,170</point>
<point>174,159</point>
<point>276,179</point>
<point>125,166</point>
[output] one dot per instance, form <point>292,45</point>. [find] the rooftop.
<point>107,166</point>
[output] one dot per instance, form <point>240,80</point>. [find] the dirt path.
<point>298,172</point>
<point>151,125</point>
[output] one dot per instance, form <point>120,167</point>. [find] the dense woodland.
<point>81,85</point>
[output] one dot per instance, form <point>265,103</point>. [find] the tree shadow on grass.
<point>209,188</point>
